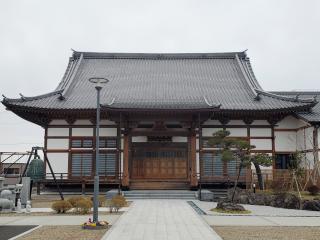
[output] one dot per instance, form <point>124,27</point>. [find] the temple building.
<point>158,112</point>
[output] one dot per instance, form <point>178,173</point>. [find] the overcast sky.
<point>282,38</point>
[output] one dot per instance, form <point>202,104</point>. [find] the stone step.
<point>155,194</point>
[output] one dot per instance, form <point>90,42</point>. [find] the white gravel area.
<point>257,210</point>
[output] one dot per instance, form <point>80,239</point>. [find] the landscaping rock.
<point>311,205</point>
<point>228,206</point>
<point>286,200</point>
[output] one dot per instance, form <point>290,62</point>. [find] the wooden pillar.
<point>273,138</point>
<point>315,144</point>
<point>125,177</point>
<point>193,162</point>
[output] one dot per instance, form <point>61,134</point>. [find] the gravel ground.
<point>268,233</point>
<point>63,233</point>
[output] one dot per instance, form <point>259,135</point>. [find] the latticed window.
<point>82,143</point>
<point>212,164</point>
<point>81,164</point>
<point>107,164</point>
<point>108,142</point>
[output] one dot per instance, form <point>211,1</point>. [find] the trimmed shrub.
<point>118,201</point>
<point>74,200</point>
<point>109,205</point>
<point>83,205</point>
<point>313,190</point>
<point>101,200</point>
<point>61,206</point>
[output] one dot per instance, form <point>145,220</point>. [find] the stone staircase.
<point>157,194</point>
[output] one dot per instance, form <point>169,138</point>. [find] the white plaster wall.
<point>107,122</point>
<point>309,137</point>
<point>197,163</point>
<point>121,161</point>
<point>319,137</point>
<point>285,141</point>
<point>54,132</point>
<point>83,122</point>
<point>57,143</point>
<point>309,160</point>
<point>260,132</point>
<point>235,122</point>
<point>207,132</point>
<point>180,139</point>
<point>79,132</point>
<point>212,122</point>
<point>139,139</point>
<point>290,122</point>
<point>301,140</point>
<point>261,144</point>
<point>58,122</point>
<point>59,163</point>
<point>237,132</point>
<point>108,132</point>
<point>260,122</point>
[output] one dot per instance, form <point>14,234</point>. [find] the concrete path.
<point>161,219</point>
<point>260,216</point>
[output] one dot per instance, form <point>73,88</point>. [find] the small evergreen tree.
<point>239,150</point>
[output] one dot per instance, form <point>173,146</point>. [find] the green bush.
<point>313,190</point>
<point>61,206</point>
<point>83,205</point>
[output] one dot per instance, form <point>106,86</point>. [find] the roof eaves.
<point>286,98</point>
<point>26,99</point>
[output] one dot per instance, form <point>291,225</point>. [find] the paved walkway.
<point>163,220</point>
<point>260,216</point>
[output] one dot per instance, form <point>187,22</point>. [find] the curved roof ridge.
<point>25,99</point>
<point>115,55</point>
<point>246,77</point>
<point>285,98</point>
<point>71,76</point>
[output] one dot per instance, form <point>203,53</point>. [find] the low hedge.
<point>61,206</point>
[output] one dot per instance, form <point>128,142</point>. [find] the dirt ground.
<point>63,233</point>
<point>268,233</point>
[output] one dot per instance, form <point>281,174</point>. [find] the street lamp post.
<point>98,82</point>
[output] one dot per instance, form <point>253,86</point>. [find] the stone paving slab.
<point>8,232</point>
<point>161,219</point>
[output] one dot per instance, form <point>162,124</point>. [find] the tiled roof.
<point>161,81</point>
<point>310,116</point>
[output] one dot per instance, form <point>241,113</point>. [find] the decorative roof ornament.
<point>112,101</point>
<point>22,97</point>
<point>61,97</point>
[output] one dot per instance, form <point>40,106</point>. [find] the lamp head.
<point>98,81</point>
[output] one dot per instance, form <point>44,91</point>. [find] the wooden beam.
<point>193,158</point>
